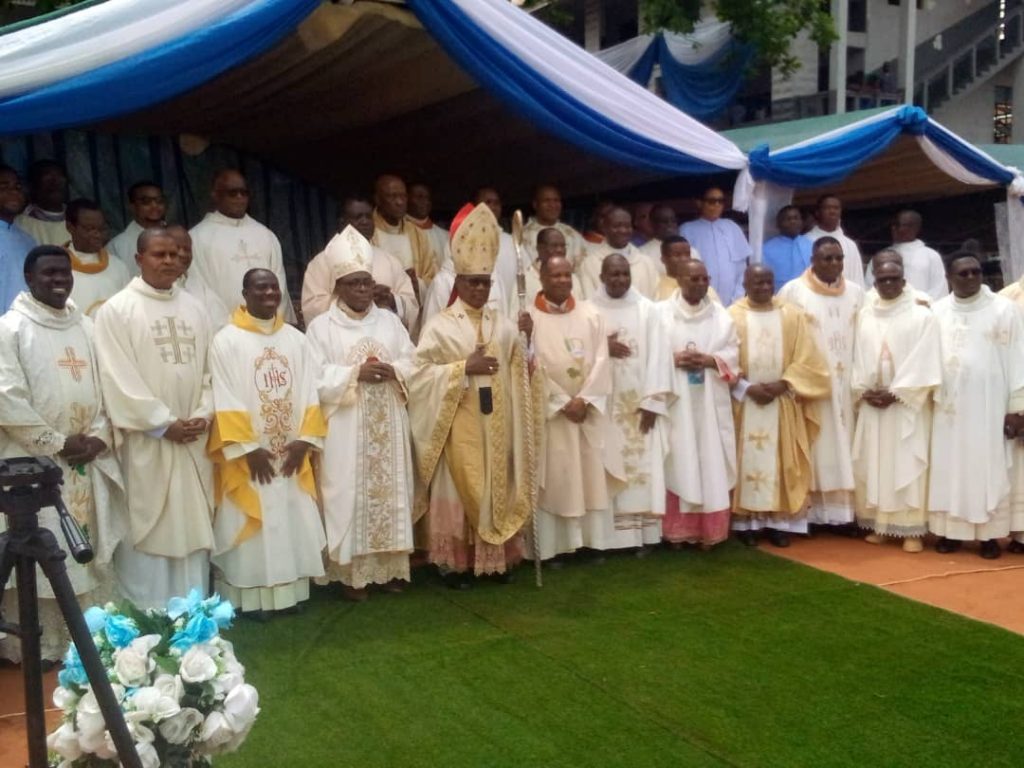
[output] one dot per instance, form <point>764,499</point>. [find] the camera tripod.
<point>26,486</point>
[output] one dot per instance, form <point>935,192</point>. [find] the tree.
<point>768,25</point>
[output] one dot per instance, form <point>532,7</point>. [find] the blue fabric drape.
<point>703,90</point>
<point>154,75</point>
<point>829,160</point>
<point>551,108</point>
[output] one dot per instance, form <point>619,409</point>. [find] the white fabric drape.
<point>707,39</point>
<point>624,56</point>
<point>102,34</point>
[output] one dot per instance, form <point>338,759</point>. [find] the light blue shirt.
<point>15,243</point>
<point>724,250</point>
<point>788,257</point>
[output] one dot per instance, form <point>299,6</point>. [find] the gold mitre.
<point>349,252</point>
<point>474,240</point>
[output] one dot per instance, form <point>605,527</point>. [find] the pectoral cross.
<point>759,439</point>
<point>176,341</point>
<point>72,364</point>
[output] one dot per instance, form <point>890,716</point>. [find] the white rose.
<point>224,683</point>
<point>170,686</point>
<point>156,706</point>
<point>148,756</point>
<point>98,744</point>
<point>179,728</point>
<point>216,733</point>
<point>131,667</point>
<point>64,741</point>
<point>88,718</point>
<point>64,699</point>
<point>143,645</point>
<point>241,707</point>
<point>197,666</point>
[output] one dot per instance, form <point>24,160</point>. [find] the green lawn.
<point>732,657</point>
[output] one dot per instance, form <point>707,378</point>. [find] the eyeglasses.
<point>366,282</point>
<point>477,282</point>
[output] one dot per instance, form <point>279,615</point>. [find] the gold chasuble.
<point>774,440</point>
<point>423,260</point>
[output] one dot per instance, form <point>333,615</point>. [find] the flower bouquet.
<point>182,691</point>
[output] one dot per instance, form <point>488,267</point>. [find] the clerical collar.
<point>229,221</point>
<point>693,310</point>
<point>351,313</point>
<point>163,294</point>
<point>87,263</point>
<point>550,308</point>
<point>973,302</point>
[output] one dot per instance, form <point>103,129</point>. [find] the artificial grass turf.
<point>731,657</point>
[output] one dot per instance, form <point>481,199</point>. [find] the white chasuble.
<point>97,278</point>
<point>571,351</point>
<point>982,375</point>
<point>367,479</point>
<point>50,390</point>
<point>644,275</point>
<point>216,312</point>
<point>1015,293</point>
<point>268,538</point>
<point>701,464</point>
<point>152,347</point>
<point>831,311</point>
<point>224,249</point>
<point>634,518</point>
<point>897,350</point>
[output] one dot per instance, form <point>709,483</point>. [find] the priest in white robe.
<point>571,352</point>
<point>397,234</point>
<point>675,252</point>
<point>152,342</point>
<point>1015,293</point>
<point>228,242</point>
<point>365,358</point>
<point>148,208</point>
<point>897,364</point>
<point>634,435</point>
<point>977,412</point>
<point>469,406</point>
<point>547,212</point>
<point>831,305</point>
<point>922,266</point>
<point>51,405</point>
<point>828,223</point>
<point>549,242</point>
<point>192,283</point>
<point>268,534</point>
<point>97,276</point>
<point>618,233</point>
<point>699,338</point>
<point>392,290</point>
<point>783,376</point>
<point>43,217</point>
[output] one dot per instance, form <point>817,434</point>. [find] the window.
<point>1002,116</point>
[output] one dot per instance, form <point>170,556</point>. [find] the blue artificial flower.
<point>73,672</point>
<point>120,630</point>
<point>200,629</point>
<point>179,606</point>
<point>95,618</point>
<point>223,614</point>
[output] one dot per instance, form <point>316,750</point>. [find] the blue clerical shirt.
<point>789,257</point>
<point>724,250</point>
<point>15,243</point>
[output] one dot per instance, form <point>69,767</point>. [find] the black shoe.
<point>778,538</point>
<point>505,578</point>
<point>460,581</point>
<point>1015,547</point>
<point>990,550</point>
<point>748,538</point>
<point>946,546</point>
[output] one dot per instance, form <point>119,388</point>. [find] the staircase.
<point>976,52</point>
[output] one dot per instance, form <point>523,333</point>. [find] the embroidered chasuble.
<point>409,244</point>
<point>367,482</point>
<point>50,390</point>
<point>638,492</point>
<point>643,274</point>
<point>571,352</point>
<point>1015,293</point>
<point>575,246</point>
<point>97,278</point>
<point>477,469</point>
<point>152,347</point>
<point>700,470</point>
<point>318,286</point>
<point>268,538</point>
<point>831,311</point>
<point>982,342</point>
<point>224,249</point>
<point>897,350</point>
<point>773,441</point>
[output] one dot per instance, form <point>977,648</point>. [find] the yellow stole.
<point>87,269</point>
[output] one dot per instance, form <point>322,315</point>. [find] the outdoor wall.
<point>970,116</point>
<point>884,33</point>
